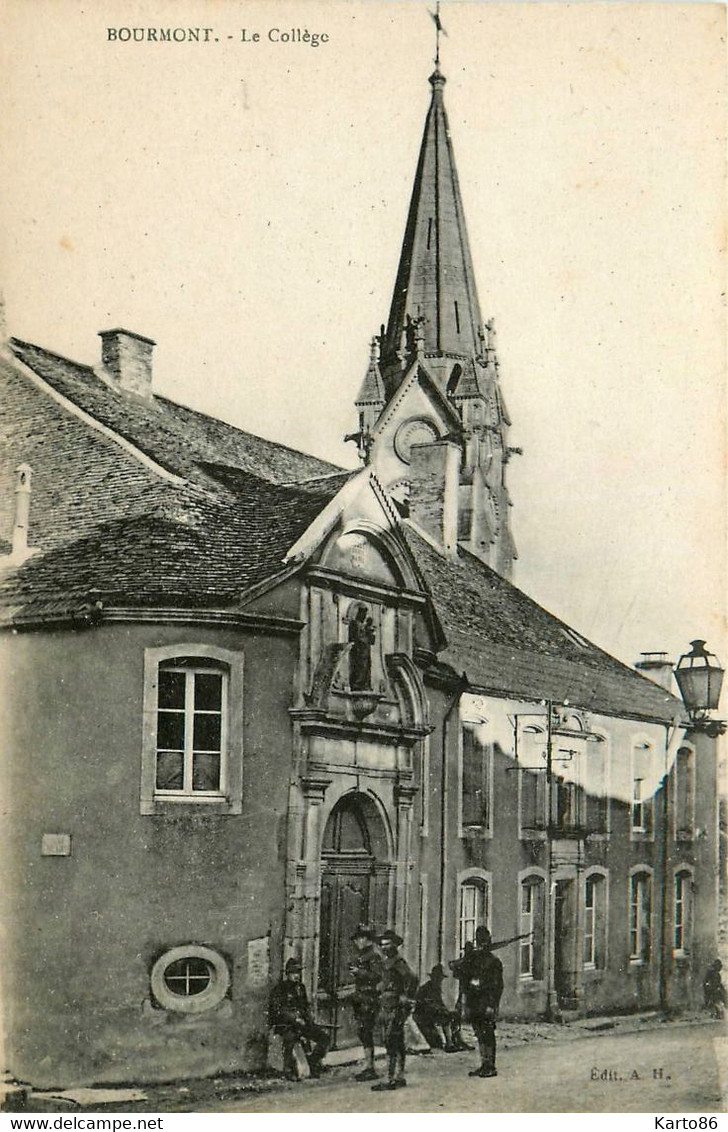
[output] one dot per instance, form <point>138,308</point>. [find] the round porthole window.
<point>190,979</point>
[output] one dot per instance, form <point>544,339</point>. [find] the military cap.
<point>390,936</point>
<point>294,964</point>
<point>363,931</point>
<point>438,972</point>
<point>483,938</point>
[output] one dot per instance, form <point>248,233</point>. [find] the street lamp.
<point>699,677</point>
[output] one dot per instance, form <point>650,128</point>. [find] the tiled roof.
<point>508,644</point>
<point>106,527</point>
<point>228,527</point>
<point>176,437</point>
<point>209,557</point>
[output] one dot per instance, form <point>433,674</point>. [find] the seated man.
<point>434,1019</point>
<point>290,1016</point>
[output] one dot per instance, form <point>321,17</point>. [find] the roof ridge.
<point>53,354</point>
<point>130,447</point>
<point>246,432</point>
<point>80,389</point>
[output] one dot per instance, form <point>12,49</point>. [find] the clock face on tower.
<point>415,431</point>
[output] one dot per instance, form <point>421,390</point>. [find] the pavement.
<point>689,1052</point>
<point>678,1070</point>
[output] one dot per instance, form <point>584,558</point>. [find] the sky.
<point>243,203</point>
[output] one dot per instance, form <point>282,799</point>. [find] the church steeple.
<point>435,280</point>
<point>432,419</point>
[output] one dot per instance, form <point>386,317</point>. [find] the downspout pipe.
<point>453,704</point>
<point>552,1006</point>
<point>665,855</point>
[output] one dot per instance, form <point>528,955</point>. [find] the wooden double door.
<point>354,890</point>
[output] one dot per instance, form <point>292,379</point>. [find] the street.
<point>667,1070</point>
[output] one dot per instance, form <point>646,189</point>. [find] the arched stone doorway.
<point>355,888</point>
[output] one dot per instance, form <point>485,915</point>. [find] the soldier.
<point>714,995</point>
<point>397,990</point>
<point>459,1012</point>
<point>367,972</point>
<point>482,980</point>
<point>290,1015</point>
<point>432,1016</point>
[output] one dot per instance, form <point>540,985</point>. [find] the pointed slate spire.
<point>437,372</point>
<point>435,280</point>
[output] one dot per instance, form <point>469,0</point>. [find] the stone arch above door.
<point>362,549</point>
<point>369,810</point>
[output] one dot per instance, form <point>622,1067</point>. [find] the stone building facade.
<point>251,699</point>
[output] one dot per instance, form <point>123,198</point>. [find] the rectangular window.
<point>191,732</point>
<point>682,914</point>
<point>532,927</point>
<point>638,806</point>
<point>477,766</point>
<point>527,910</point>
<point>595,921</point>
<point>643,788</point>
<point>589,925</point>
<point>640,917</point>
<point>473,910</point>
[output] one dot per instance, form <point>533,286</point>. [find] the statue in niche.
<point>362,635</point>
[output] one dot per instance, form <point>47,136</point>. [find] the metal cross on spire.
<point>439,30</point>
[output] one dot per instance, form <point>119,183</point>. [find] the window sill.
<point>641,835</point>
<point>528,985</point>
<point>637,964</point>
<point>207,804</point>
<point>475,831</point>
<point>603,836</point>
<point>529,833</point>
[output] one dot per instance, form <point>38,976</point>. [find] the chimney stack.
<point>127,359</point>
<point>433,500</point>
<point>20,550</point>
<point>657,667</point>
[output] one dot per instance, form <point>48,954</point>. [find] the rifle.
<point>512,939</point>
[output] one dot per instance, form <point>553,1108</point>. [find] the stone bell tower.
<point>432,381</point>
